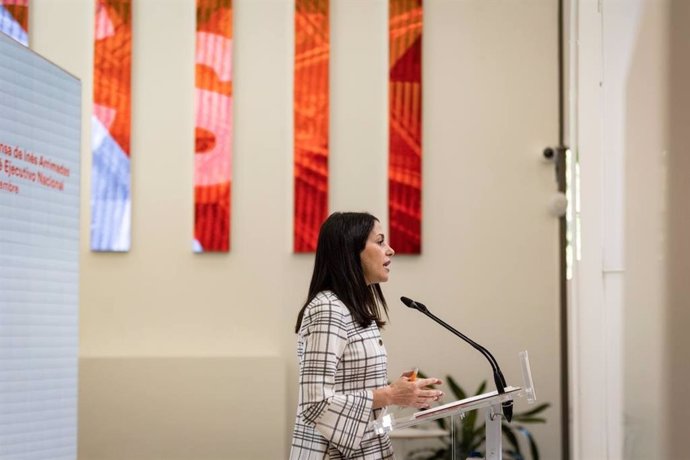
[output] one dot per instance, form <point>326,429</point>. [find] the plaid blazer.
<point>340,363</point>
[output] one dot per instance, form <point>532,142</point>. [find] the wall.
<point>192,356</point>
<point>165,332</point>
<point>643,85</point>
<point>634,126</point>
<point>657,225</point>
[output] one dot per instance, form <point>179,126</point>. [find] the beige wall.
<point>645,126</point>
<point>656,224</point>
<point>644,114</point>
<point>164,332</point>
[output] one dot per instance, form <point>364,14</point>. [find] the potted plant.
<point>470,437</point>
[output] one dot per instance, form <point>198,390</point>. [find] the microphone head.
<point>407,301</point>
<point>412,304</point>
<point>508,410</point>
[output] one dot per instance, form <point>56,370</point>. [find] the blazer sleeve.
<point>340,418</point>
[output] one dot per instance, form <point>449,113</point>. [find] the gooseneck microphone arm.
<point>487,354</point>
<point>499,380</point>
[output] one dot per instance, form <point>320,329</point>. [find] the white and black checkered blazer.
<point>340,363</point>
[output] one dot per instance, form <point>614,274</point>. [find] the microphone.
<point>499,380</point>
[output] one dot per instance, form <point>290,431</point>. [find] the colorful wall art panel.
<point>213,131</point>
<point>14,19</point>
<point>311,105</point>
<point>405,126</point>
<point>110,127</point>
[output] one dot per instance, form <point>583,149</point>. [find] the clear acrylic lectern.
<point>491,402</point>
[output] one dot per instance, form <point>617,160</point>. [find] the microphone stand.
<point>499,379</point>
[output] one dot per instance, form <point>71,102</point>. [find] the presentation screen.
<point>39,255</point>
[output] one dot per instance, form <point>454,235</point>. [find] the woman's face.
<point>376,256</point>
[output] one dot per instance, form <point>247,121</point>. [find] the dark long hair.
<point>338,268</point>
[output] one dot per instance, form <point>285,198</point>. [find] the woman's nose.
<point>391,252</point>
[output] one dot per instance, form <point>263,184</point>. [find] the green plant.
<point>469,432</point>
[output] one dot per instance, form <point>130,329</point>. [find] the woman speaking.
<point>343,383</point>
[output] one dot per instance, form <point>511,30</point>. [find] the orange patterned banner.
<point>213,133</point>
<point>110,127</point>
<point>311,105</point>
<point>14,19</point>
<point>405,126</point>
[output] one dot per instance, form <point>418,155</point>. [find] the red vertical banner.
<point>14,19</point>
<point>311,106</point>
<point>213,130</point>
<point>111,127</point>
<point>405,126</point>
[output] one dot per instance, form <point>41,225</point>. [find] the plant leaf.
<point>534,450</point>
<point>531,420</point>
<point>468,426</point>
<point>463,434</point>
<point>456,388</point>
<point>476,445</point>
<point>534,411</point>
<point>430,454</point>
<point>507,453</point>
<point>475,439</point>
<point>481,388</point>
<point>512,439</point>
<point>472,436</point>
<point>441,423</point>
<point>480,431</point>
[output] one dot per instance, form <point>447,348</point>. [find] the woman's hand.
<point>407,392</point>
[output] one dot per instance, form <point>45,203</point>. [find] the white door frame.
<point>596,290</point>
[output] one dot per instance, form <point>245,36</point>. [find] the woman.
<point>343,369</point>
